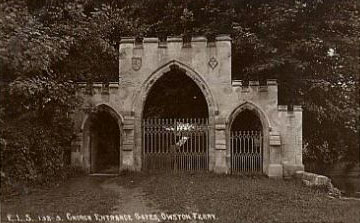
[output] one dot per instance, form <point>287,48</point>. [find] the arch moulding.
<point>252,107</point>
<point>139,100</point>
<point>265,122</point>
<point>140,97</point>
<point>104,107</point>
<point>86,133</point>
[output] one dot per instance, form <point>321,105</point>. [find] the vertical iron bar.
<point>252,149</point>
<point>231,152</point>
<point>143,141</point>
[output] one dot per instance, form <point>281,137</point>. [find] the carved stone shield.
<point>136,63</point>
<point>213,62</point>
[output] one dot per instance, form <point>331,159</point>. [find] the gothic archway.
<point>175,95</point>
<point>102,140</point>
<point>140,97</point>
<point>248,135</point>
<point>188,113</point>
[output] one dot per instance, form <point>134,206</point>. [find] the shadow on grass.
<point>229,198</point>
<point>242,198</point>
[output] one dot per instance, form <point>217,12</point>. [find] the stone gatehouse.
<point>245,128</point>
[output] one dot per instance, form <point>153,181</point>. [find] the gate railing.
<point>246,151</point>
<point>175,144</point>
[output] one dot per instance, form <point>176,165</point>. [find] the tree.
<point>310,46</point>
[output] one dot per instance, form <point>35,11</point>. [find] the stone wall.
<point>209,65</point>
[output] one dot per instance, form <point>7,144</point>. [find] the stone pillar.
<point>92,151</point>
<point>76,155</point>
<point>220,149</point>
<point>292,149</point>
<point>128,144</point>
<point>275,168</point>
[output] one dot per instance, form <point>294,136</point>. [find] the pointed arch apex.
<point>107,107</point>
<point>165,68</point>
<point>248,105</point>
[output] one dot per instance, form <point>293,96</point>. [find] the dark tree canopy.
<point>310,46</point>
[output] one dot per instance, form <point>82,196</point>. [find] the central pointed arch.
<point>141,97</point>
<point>175,95</point>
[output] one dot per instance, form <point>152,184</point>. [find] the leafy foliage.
<point>310,46</point>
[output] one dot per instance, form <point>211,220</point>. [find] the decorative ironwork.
<point>246,151</point>
<point>175,144</point>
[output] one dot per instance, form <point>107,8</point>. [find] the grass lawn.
<point>229,198</point>
<point>77,196</point>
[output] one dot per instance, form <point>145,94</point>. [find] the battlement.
<point>289,108</point>
<point>243,83</point>
<point>184,41</point>
<point>209,58</point>
<point>204,63</point>
<point>98,84</point>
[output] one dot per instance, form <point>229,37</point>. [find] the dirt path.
<point>133,202</point>
<point>138,195</point>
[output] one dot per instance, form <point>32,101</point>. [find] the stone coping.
<point>99,84</point>
<point>170,39</point>
<point>240,83</point>
<point>235,83</point>
<point>296,108</point>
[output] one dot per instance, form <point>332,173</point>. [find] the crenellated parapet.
<point>242,83</point>
<point>207,63</point>
<point>97,87</point>
<point>290,108</point>
<point>99,84</point>
<point>202,41</point>
<point>264,90</point>
<point>139,58</point>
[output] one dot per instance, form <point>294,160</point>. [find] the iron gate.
<point>246,151</point>
<point>175,144</point>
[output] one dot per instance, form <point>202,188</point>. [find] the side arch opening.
<point>246,143</point>
<point>102,141</point>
